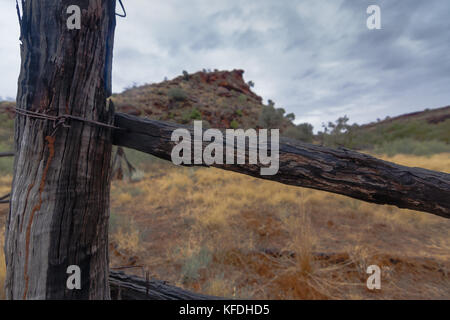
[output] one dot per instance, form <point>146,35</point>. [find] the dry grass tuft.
<point>127,240</point>
<point>2,265</point>
<point>227,234</point>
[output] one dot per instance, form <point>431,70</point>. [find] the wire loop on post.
<point>61,119</point>
<point>123,9</point>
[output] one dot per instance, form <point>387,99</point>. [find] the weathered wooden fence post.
<point>60,196</point>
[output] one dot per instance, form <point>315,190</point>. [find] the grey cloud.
<point>314,58</point>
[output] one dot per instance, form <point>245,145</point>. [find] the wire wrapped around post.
<point>123,9</point>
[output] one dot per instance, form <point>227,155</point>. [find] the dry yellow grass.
<point>5,184</point>
<point>5,188</point>
<point>231,235</point>
<point>438,162</point>
<point>127,240</point>
<point>227,234</point>
<point>2,265</point>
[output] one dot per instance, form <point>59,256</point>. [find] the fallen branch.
<point>340,171</point>
<point>6,196</point>
<point>3,199</point>
<point>129,287</point>
<point>6,154</point>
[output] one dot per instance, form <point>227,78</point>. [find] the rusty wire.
<point>61,119</point>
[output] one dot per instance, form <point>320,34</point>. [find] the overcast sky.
<point>316,59</point>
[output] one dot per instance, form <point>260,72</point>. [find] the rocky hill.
<point>221,98</point>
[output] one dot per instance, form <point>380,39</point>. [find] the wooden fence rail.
<point>66,174</point>
<point>340,171</point>
<point>130,287</point>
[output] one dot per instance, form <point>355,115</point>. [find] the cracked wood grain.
<point>60,193</point>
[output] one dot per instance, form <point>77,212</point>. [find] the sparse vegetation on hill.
<point>421,133</point>
<point>302,132</point>
<point>222,98</point>
<point>271,117</point>
<point>2,263</point>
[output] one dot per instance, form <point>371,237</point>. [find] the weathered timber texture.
<point>129,287</point>
<point>60,195</point>
<point>339,171</point>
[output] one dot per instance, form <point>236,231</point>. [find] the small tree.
<point>186,76</point>
<point>290,117</point>
<point>177,94</point>
<point>302,132</point>
<point>339,133</point>
<point>271,118</point>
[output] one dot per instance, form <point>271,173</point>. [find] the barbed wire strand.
<point>61,119</point>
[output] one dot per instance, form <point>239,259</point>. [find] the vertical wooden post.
<point>60,195</point>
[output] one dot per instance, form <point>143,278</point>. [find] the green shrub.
<point>290,117</point>
<point>415,137</point>
<point>270,117</point>
<point>186,76</point>
<point>194,263</point>
<point>302,132</point>
<point>242,98</point>
<point>177,94</point>
<point>193,114</point>
<point>206,124</point>
<point>234,124</point>
<point>412,129</point>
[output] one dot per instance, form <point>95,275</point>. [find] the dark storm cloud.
<point>405,63</point>
<point>314,58</point>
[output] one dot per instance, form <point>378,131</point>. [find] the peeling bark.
<point>60,195</point>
